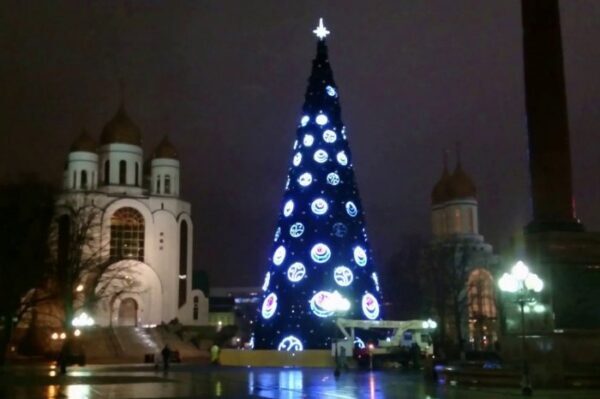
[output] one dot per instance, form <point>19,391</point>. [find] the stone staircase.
<point>136,342</point>
<point>131,344</point>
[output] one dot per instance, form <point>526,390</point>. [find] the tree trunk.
<point>458,327</point>
<point>68,308</point>
<point>5,337</point>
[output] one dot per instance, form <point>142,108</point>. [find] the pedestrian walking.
<point>166,356</point>
<point>214,354</point>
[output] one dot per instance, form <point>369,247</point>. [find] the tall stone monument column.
<point>547,121</point>
<point>566,257</point>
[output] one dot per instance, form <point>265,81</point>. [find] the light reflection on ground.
<point>188,381</point>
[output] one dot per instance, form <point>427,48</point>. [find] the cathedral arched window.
<point>158,184</point>
<point>106,172</point>
<point>122,172</point>
<point>482,307</point>
<point>167,184</point>
<point>196,308</point>
<point>183,251</point>
<point>84,179</point>
<point>127,235</point>
<point>137,174</point>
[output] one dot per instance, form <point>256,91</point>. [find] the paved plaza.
<point>187,381</point>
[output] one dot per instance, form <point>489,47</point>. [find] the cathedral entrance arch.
<point>128,312</point>
<point>132,295</point>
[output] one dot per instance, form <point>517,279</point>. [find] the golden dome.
<point>165,150</point>
<point>461,185</point>
<point>84,143</point>
<point>121,129</point>
<point>440,193</point>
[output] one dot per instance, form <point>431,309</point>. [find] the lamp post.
<point>371,349</point>
<point>337,370</point>
<point>525,285</point>
<point>339,305</point>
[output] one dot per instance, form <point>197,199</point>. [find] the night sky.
<point>226,81</point>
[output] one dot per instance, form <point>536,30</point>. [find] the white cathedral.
<point>144,228</point>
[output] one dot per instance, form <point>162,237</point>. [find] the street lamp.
<point>525,285</point>
<point>429,324</point>
<point>339,305</point>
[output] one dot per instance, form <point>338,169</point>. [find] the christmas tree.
<point>321,265</point>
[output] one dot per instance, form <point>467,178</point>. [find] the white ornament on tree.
<point>329,136</point>
<point>288,208</point>
<point>296,229</point>
<point>322,119</point>
<point>360,256</point>
<point>305,179</point>
<point>319,206</point>
<point>343,276</point>
<point>320,156</point>
<point>333,179</point>
<point>297,159</point>
<point>296,272</point>
<point>279,255</point>
<point>308,140</point>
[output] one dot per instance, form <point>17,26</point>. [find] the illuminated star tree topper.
<point>321,31</point>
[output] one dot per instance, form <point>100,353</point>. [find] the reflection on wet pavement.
<point>188,381</point>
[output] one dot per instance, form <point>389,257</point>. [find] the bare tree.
<point>82,271</point>
<point>26,207</point>
<point>444,273</point>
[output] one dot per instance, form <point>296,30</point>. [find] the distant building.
<point>143,230</point>
<point>234,306</point>
<point>467,257</point>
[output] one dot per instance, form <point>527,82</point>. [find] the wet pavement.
<point>188,381</point>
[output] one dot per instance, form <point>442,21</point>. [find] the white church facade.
<point>142,232</point>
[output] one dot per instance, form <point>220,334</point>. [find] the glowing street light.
<point>429,324</point>
<point>339,305</point>
<point>525,285</point>
<point>520,279</point>
<point>83,320</point>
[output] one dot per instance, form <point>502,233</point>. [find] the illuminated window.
<point>481,294</point>
<point>183,250</point>
<point>127,235</point>
<point>482,309</point>
<point>457,220</point>
<point>122,172</point>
